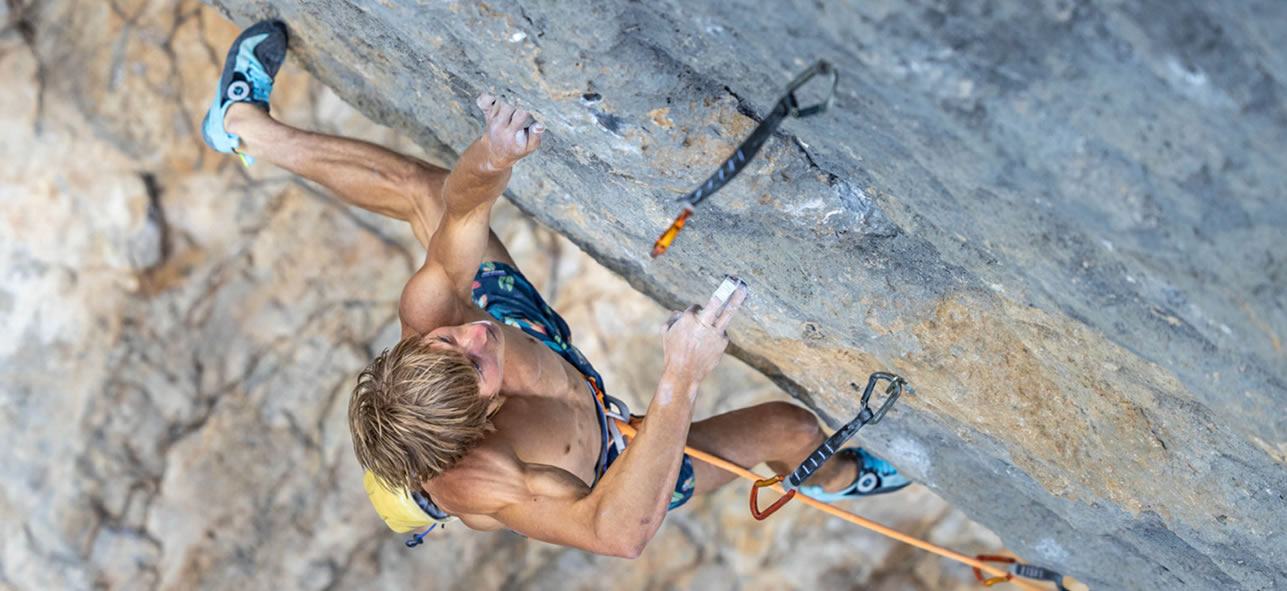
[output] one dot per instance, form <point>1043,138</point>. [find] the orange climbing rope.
<point>728,466</point>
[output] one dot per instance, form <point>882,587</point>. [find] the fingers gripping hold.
<point>508,134</point>
<point>530,137</point>
<point>694,340</point>
<point>724,303</point>
<point>488,104</point>
<point>504,113</point>
<point>518,119</point>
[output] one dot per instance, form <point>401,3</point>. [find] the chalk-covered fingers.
<point>740,293</point>
<point>489,105</point>
<point>694,340</point>
<point>527,135</point>
<point>530,137</point>
<point>724,303</point>
<point>509,135</point>
<point>518,119</point>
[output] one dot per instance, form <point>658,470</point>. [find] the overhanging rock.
<point>1061,221</point>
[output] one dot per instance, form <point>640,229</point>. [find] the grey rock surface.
<point>178,335</point>
<point>1062,221</point>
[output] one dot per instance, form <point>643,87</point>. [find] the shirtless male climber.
<point>485,411</point>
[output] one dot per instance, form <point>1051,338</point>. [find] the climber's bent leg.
<point>780,434</point>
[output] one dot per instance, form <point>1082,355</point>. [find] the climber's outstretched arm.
<point>459,241</point>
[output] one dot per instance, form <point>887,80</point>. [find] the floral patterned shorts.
<point>504,293</point>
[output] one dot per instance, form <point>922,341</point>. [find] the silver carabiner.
<point>822,67</point>
<point>892,392</point>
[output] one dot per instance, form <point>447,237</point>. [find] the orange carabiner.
<point>755,505</point>
<point>669,235</point>
<point>994,580</point>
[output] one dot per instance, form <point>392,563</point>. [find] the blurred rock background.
<point>179,336</point>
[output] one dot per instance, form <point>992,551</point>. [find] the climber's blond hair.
<point>415,412</point>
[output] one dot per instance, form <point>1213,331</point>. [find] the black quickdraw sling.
<point>865,417</point>
<point>788,105</point>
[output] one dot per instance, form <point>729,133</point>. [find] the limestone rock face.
<point>179,336</point>
<point>1062,221</point>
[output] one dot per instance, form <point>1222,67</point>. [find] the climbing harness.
<point>787,106</point>
<point>866,416</point>
<point>1016,568</point>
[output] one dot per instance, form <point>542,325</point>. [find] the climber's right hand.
<point>694,340</point>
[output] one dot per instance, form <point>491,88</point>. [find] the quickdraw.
<point>1028,571</point>
<point>630,431</point>
<point>866,416</point>
<point>787,106</point>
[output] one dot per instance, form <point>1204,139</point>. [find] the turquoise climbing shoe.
<point>875,477</point>
<point>248,74</point>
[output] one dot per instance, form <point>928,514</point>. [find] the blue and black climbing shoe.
<point>248,74</point>
<point>875,476</point>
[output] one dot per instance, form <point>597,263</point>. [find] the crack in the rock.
<point>324,311</point>
<point>201,304</point>
<point>105,519</point>
<point>156,213</point>
<point>22,22</point>
<point>207,403</point>
<point>158,365</point>
<point>299,434</point>
<point>807,156</point>
<point>535,39</point>
<point>1149,423</point>
<point>745,108</point>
